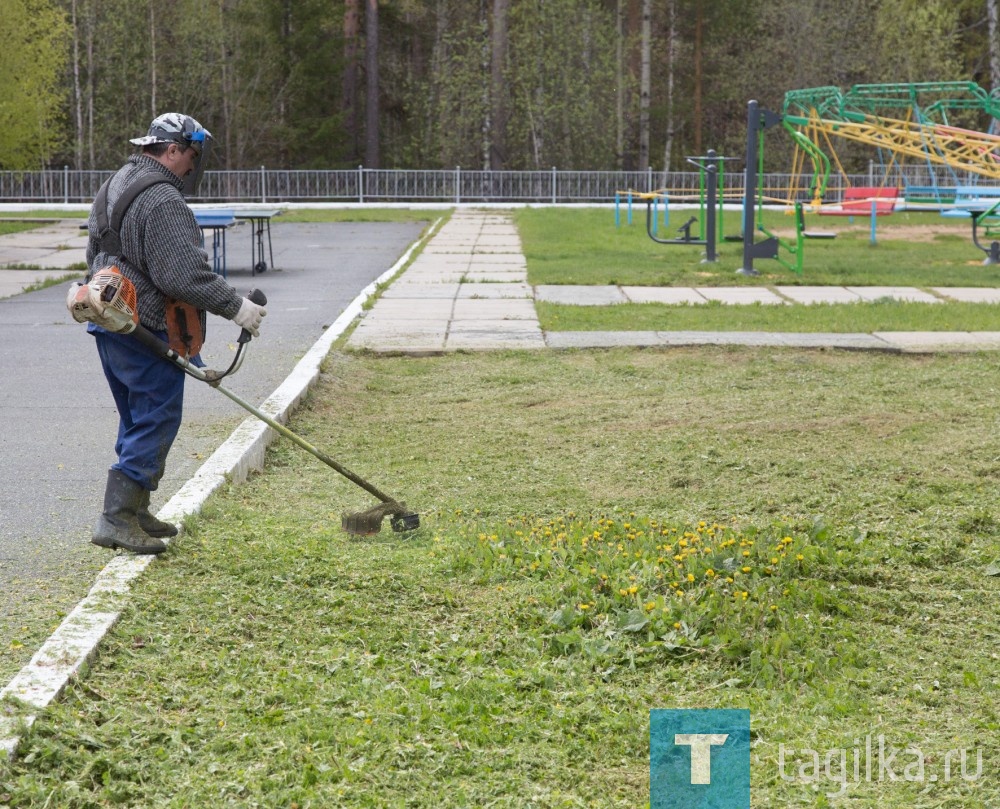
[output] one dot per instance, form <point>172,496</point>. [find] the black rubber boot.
<point>149,523</point>
<point>118,526</point>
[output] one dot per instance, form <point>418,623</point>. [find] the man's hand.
<point>250,316</point>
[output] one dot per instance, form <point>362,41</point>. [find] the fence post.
<point>263,185</point>
<point>458,185</point>
<point>553,185</point>
<point>361,183</point>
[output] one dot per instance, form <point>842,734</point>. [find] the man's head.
<point>181,144</point>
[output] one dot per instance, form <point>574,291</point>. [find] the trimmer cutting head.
<point>367,523</point>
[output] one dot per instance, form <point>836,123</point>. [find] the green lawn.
<point>810,535</point>
<point>887,315</point>
<point>583,246</point>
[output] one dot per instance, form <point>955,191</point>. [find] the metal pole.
<point>458,185</point>
<point>712,172</point>
<point>361,183</point>
<point>263,184</point>
<point>553,185</point>
<point>750,187</point>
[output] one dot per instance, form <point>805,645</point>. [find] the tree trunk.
<point>644,84</point>
<point>77,97</point>
<point>620,84</point>
<point>994,39</point>
<point>671,66</point>
<point>349,85</point>
<point>699,22</point>
<point>152,62</point>
<point>372,157</point>
<point>499,111</point>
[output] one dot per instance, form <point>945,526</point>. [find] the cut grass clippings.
<point>810,535</point>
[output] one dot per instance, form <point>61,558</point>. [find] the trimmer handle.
<point>259,298</point>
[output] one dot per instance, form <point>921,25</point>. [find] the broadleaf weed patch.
<point>648,591</point>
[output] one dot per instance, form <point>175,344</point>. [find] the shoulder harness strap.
<point>109,232</point>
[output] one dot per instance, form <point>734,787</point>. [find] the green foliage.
<point>561,80</point>
<point>33,53</point>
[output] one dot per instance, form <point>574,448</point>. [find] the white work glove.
<point>249,316</point>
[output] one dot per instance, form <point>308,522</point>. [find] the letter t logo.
<point>701,753</point>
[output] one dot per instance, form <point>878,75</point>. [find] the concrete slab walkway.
<point>469,290</point>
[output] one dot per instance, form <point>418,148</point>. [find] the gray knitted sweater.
<point>161,249</point>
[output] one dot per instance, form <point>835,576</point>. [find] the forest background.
<point>429,84</point>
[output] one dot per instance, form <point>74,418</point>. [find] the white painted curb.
<point>74,642</point>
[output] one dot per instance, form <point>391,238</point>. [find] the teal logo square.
<point>699,759</point>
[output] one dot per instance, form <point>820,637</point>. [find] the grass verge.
<point>884,315</point>
<point>923,249</point>
<point>811,535</point>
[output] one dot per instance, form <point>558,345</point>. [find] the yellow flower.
<point>746,553</point>
<point>746,569</point>
<point>583,606</point>
<point>709,573</point>
<point>690,577</point>
<point>677,625</point>
<point>799,557</point>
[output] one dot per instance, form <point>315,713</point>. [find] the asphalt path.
<point>58,422</point>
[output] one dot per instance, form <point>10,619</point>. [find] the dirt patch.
<point>884,229</point>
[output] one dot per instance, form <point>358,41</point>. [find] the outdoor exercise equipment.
<point>709,171</point>
<point>759,119</point>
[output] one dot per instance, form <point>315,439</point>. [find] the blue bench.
<point>970,199</point>
<point>929,196</point>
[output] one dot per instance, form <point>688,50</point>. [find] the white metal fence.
<point>456,185</point>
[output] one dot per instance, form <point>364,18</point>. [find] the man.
<point>158,248</point>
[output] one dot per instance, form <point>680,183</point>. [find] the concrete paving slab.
<point>410,290</point>
<point>494,277</point>
<point>740,295</point>
<point>63,259</point>
<point>969,294</point>
<point>494,257</point>
<point>481,309</point>
<point>579,295</point>
<point>14,282</point>
<point>402,309</point>
<point>808,295</point>
<point>910,294</point>
<point>602,339</point>
<point>494,340</point>
<point>987,339</point>
<point>670,296</point>
<point>855,341</point>
<point>599,339</point>
<point>484,289</point>
<point>929,341</point>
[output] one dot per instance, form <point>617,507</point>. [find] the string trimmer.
<point>109,300</point>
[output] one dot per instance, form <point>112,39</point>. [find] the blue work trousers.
<point>149,395</point>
